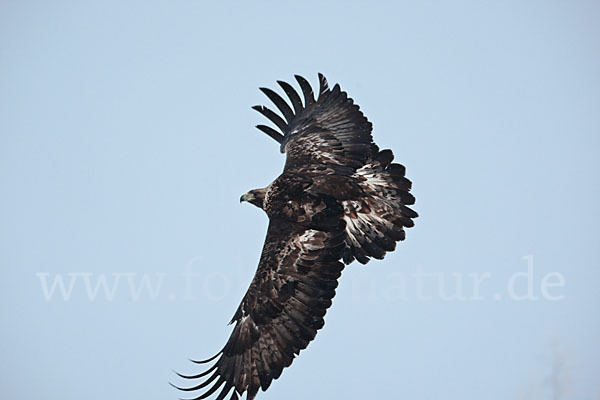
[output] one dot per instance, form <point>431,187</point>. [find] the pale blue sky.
<point>126,139</point>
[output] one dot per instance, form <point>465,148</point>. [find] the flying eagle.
<point>339,198</point>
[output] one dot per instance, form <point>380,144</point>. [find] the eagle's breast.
<point>285,195</point>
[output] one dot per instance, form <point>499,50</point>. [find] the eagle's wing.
<point>329,139</point>
<point>329,131</point>
<point>282,310</point>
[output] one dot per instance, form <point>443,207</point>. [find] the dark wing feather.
<point>271,132</point>
<point>280,103</point>
<point>330,132</point>
<point>323,85</point>
<point>307,91</point>
<point>276,119</point>
<point>293,95</point>
<point>283,308</point>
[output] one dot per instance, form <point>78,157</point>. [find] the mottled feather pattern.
<point>338,198</point>
<point>377,221</point>
<point>283,308</point>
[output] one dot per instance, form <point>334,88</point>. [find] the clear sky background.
<point>127,138</point>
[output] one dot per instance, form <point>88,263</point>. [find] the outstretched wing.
<point>281,311</point>
<point>327,134</point>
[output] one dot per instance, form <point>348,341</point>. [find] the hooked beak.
<point>246,197</point>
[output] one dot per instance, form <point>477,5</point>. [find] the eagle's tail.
<point>375,223</point>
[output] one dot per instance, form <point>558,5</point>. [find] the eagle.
<point>339,199</point>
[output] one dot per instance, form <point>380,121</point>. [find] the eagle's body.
<point>339,198</point>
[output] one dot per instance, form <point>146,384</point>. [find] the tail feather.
<point>376,222</point>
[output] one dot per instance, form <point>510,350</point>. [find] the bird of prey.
<point>338,199</point>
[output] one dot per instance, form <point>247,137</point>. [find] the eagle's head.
<point>255,196</point>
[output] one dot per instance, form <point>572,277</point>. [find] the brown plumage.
<point>339,198</point>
